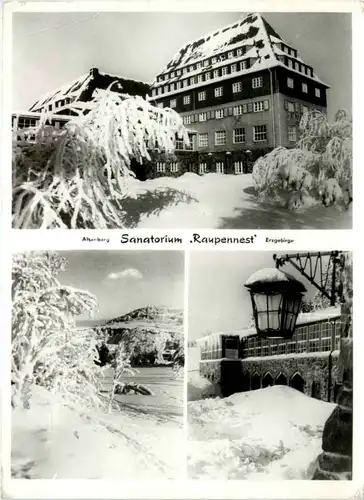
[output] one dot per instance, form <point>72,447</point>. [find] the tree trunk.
<point>335,461</point>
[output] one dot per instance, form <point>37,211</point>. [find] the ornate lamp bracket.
<point>315,270</point>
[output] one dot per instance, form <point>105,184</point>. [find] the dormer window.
<point>200,78</point>
<point>184,71</point>
<point>239,52</point>
<point>233,68</point>
<point>207,76</point>
<point>216,73</point>
<point>165,88</point>
<point>289,63</point>
<point>178,85</point>
<point>213,60</point>
<point>172,86</point>
<point>198,65</point>
<point>192,81</point>
<point>206,63</point>
<point>179,72</point>
<point>192,68</point>
<point>230,54</point>
<point>172,74</point>
<point>296,66</point>
<point>224,71</point>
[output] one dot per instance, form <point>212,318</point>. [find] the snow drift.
<point>272,433</point>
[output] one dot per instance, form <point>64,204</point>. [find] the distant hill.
<point>149,320</point>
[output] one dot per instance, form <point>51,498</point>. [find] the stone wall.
<point>316,371</point>
<point>314,368</point>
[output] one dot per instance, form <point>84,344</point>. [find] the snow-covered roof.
<point>327,314</point>
<point>74,89</point>
<point>260,41</point>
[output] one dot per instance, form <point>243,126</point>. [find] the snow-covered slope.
<point>272,433</point>
<point>146,320</point>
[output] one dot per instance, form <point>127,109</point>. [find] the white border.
<point>303,240</point>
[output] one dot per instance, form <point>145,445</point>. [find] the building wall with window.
<point>308,361</point>
<point>254,70</point>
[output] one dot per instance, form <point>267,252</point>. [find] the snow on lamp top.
<point>272,278</point>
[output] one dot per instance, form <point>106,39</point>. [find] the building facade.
<point>242,90</point>
<point>308,362</point>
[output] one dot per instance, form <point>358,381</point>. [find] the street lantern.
<point>276,298</point>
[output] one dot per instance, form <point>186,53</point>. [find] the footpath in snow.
<point>141,441</point>
<point>267,434</point>
<point>219,201</point>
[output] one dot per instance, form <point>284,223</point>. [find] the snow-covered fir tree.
<point>77,177</point>
<point>319,167</point>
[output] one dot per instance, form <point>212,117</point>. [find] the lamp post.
<point>276,298</point>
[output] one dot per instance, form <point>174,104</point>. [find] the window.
<point>230,54</point>
<point>192,68</point>
<point>172,74</point>
<point>202,168</point>
<point>304,88</point>
<point>187,120</point>
<point>304,109</point>
<point>290,83</point>
<point>243,65</point>
<point>179,72</point>
<point>185,83</point>
<point>192,80</point>
<point>206,63</point>
<point>165,89</point>
<point>224,71</point>
<point>220,138</point>
<point>290,64</point>
<point>239,52</point>
<point>218,92</point>
<point>178,85</point>
<point>292,134</point>
<point>237,86</point>
<point>201,96</point>
<point>239,135</point>
<point>159,90</point>
<point>237,110</point>
<point>219,113</point>
<point>153,94</point>
<point>202,117</point>
<point>198,65</point>
<point>207,76</point>
<point>203,140</point>
<point>179,144</point>
<point>258,106</point>
<point>220,167</point>
<point>317,92</point>
<point>160,105</point>
<point>200,78</point>
<point>290,106</point>
<point>257,82</point>
<point>186,99</point>
<point>161,167</point>
<point>239,167</point>
<point>173,103</point>
<point>233,68</point>
<point>291,347</point>
<point>174,167</point>
<point>184,71</point>
<point>260,133</point>
<point>213,60</point>
<point>296,66</point>
<point>216,73</point>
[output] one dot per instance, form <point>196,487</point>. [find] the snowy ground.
<point>268,434</point>
<point>142,440</point>
<point>219,201</point>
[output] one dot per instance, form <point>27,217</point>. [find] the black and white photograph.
<point>97,365</point>
<point>270,366</point>
<point>217,120</point>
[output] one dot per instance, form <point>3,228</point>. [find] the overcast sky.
<point>218,300</point>
<point>50,49</point>
<point>126,280</point>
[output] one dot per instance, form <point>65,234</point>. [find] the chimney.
<point>94,72</point>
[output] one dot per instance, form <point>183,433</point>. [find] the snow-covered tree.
<point>77,177</point>
<point>318,168</point>
<point>47,348</point>
<point>122,366</point>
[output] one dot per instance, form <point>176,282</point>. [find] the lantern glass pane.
<point>268,311</point>
<point>291,309</point>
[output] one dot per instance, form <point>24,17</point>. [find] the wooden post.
<point>335,461</point>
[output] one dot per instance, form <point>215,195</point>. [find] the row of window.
<point>206,77</point>
<point>220,136</point>
<point>301,68</point>
<point>202,167</point>
<point>304,87</point>
<point>252,107</point>
<point>58,104</point>
<point>203,64</point>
